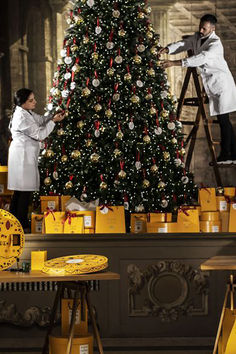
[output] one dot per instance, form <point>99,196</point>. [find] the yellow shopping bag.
<point>228,336</point>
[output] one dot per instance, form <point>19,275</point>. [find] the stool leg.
<point>94,325</point>
<point>72,322</point>
<point>52,318</point>
<point>221,320</point>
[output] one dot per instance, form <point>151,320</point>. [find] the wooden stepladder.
<point>199,102</point>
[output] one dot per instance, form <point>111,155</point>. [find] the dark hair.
<point>209,18</point>
<point>21,96</point>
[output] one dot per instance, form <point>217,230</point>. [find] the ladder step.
<point>216,142</point>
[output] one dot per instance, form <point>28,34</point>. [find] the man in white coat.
<point>208,56</point>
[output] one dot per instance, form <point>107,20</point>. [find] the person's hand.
<point>163,50</point>
<point>59,117</point>
<point>169,63</point>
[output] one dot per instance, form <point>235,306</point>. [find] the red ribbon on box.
<point>205,188</point>
<point>69,216</point>
<point>106,206</point>
<point>50,211</point>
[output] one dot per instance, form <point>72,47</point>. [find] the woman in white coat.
<point>27,129</point>
<point>208,56</point>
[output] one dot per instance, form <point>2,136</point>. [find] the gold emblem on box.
<point>78,264</point>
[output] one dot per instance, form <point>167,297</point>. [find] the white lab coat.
<point>27,129</point>
<point>216,76</point>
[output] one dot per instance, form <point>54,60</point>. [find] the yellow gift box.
<point>229,191</point>
<point>232,218</point>
<point>37,223</point>
<point>210,226</point>
<point>110,219</point>
<point>50,202</point>
<point>161,227</point>
<point>159,217</point>
<point>89,230</point>
<point>63,200</point>
<point>54,222</point>
<point>188,220</point>
<point>37,259</point>
<point>74,223</point>
<point>210,216</point>
<point>138,223</point>
<point>81,318</point>
<point>222,204</point>
<point>207,199</point>
<point>224,218</point>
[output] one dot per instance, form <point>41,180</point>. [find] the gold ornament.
<point>108,113</point>
<point>47,181</point>
<point>110,71</point>
<point>94,157</point>
<point>57,92</point>
<point>147,139</point>
<point>141,15</point>
<point>76,68</point>
<point>122,174</point>
<point>103,185</point>
<point>135,99</point>
<point>182,152</point>
<point>146,183</point>
<point>119,135</point>
<point>69,185</point>
<point>95,56</point>
<point>148,10</point>
<point>161,185</point>
<point>150,27</point>
<point>79,20</point>
<point>66,113</point>
<point>127,77</point>
<point>174,141</point>
<point>153,50</point>
<point>166,155</point>
<point>64,158</point>
<point>154,168</point>
<point>97,107</point>
<point>86,92</point>
<point>149,34</point>
<point>164,113</point>
<point>89,142</point>
<point>49,153</point>
<point>153,110</point>
<point>80,124</point>
<point>85,39</point>
<point>60,132</point>
<point>158,63</point>
<point>122,32</point>
<point>137,59</point>
<point>117,152</point>
<point>151,72</point>
<point>74,48</point>
<point>148,96</point>
<point>75,154</point>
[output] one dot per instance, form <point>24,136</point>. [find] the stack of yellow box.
<point>82,340</point>
<point>209,215</point>
<point>160,223</point>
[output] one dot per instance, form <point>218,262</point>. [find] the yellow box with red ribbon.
<point>50,202</point>
<point>207,199</point>
<point>74,222</point>
<point>110,219</point>
<point>37,221</point>
<point>188,219</point>
<point>138,223</point>
<point>54,222</point>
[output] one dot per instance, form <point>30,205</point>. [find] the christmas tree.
<point>120,141</point>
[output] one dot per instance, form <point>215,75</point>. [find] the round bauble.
<point>103,185</point>
<point>146,139</point>
<point>69,185</point>
<point>122,174</point>
<point>94,157</point>
<point>64,158</point>
<point>47,181</point>
<point>146,183</point>
<point>75,154</point>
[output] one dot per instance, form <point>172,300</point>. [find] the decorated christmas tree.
<point>120,141</point>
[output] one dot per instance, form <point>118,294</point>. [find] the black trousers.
<point>20,205</point>
<point>228,140</point>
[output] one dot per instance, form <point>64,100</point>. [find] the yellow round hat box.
<point>210,215</point>
<point>82,344</point>
<point>210,226</point>
<point>12,239</point>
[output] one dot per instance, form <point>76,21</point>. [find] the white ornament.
<point>116,13</point>
<point>97,133</point>
<point>67,76</point>
<point>185,179</point>
<point>182,164</point>
<point>141,48</point>
<point>68,20</point>
<point>52,90</point>
<point>96,82</point>
<point>104,210</point>
<point>177,162</point>
<point>171,125</point>
<point>179,124</point>
<point>90,3</point>
<point>65,93</point>
<point>55,175</point>
<point>139,208</point>
<point>56,75</point>
<point>164,94</point>
<point>68,60</point>
<point>59,62</point>
<point>164,203</point>
<point>50,106</point>
<point>98,30</point>
<point>110,45</point>
<point>63,53</point>
<point>116,97</point>
<point>72,85</point>
<point>174,141</point>
<point>83,196</point>
<point>158,131</point>
<point>118,59</point>
<point>131,125</point>
<point>139,83</point>
<point>138,165</point>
